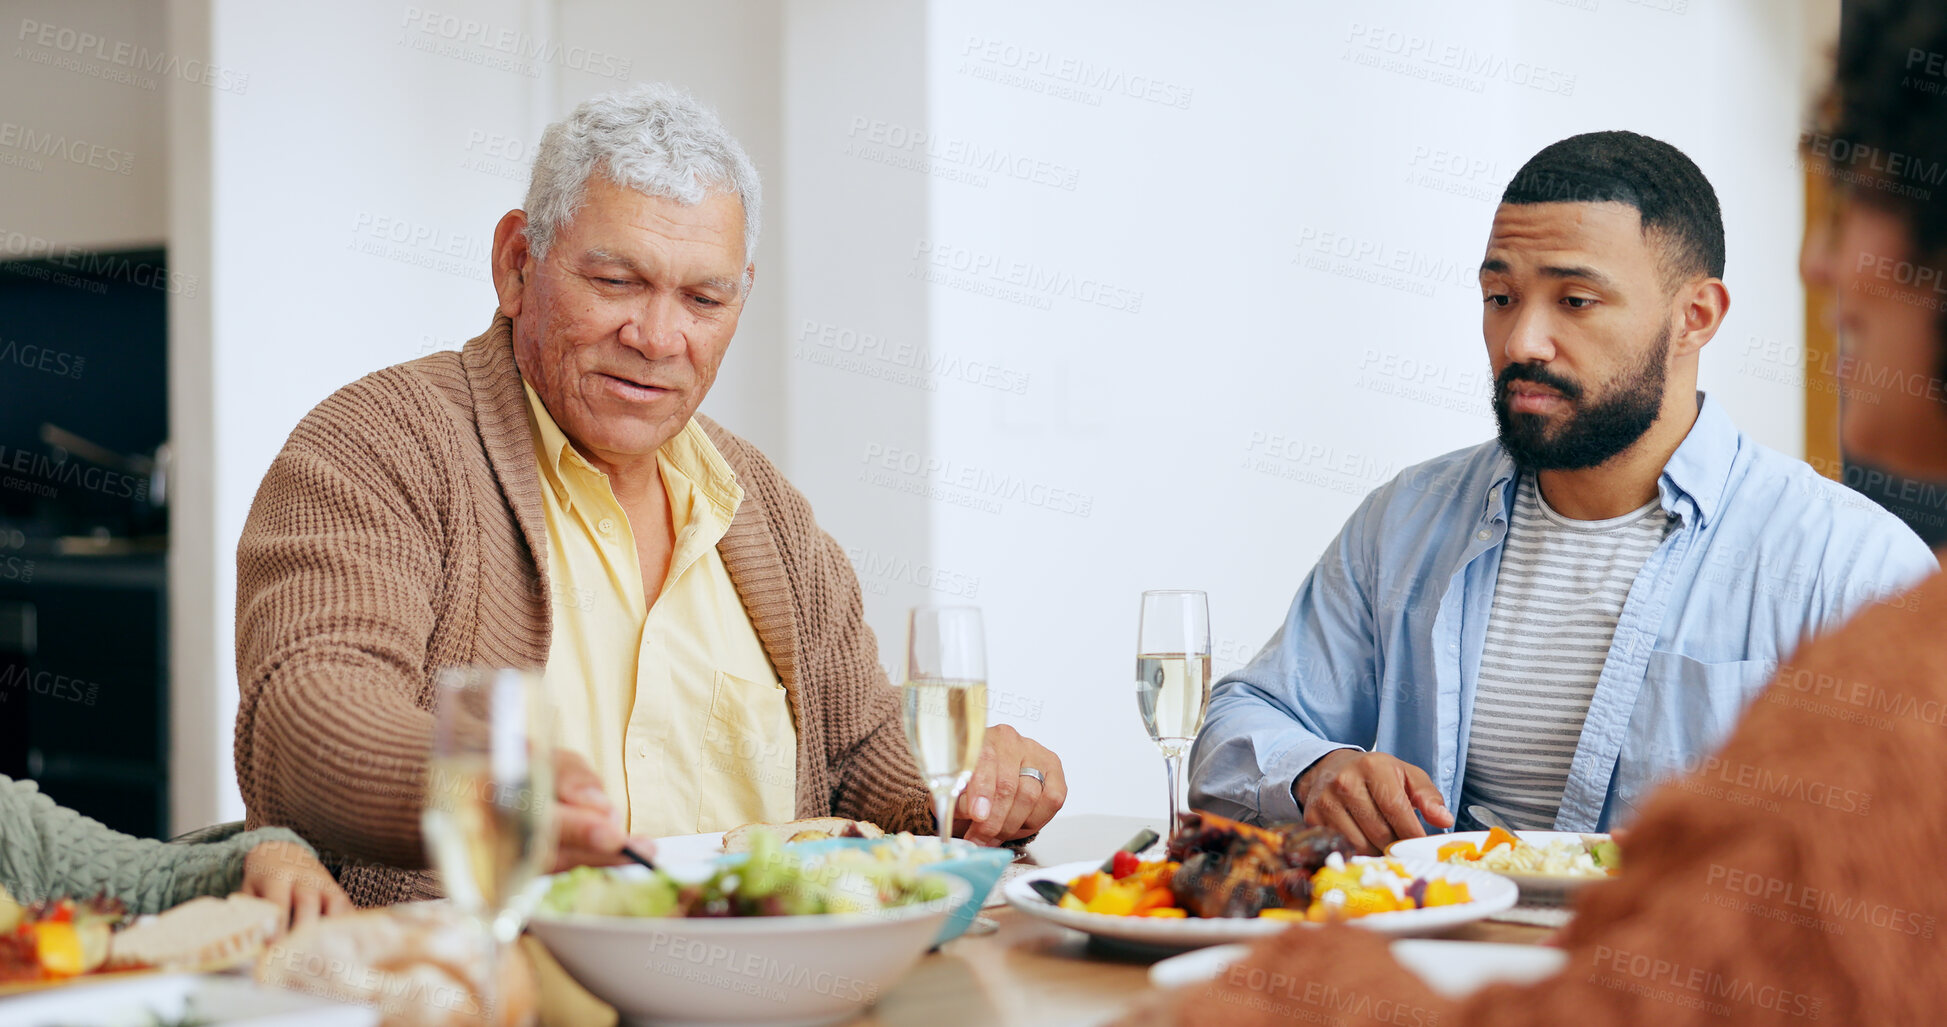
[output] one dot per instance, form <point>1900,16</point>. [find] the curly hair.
<point>1886,119</point>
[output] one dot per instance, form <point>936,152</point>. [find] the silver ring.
<point>1033,773</point>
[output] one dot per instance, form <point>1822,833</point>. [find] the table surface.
<point>1033,972</point>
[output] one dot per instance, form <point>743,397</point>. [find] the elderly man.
<point>1547,623</point>
<point>548,497</point>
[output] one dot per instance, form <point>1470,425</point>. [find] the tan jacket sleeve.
<point>873,774</point>
<point>338,579</point>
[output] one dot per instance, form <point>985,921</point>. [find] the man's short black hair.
<point>1669,191</point>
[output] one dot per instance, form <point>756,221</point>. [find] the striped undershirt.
<point>1561,588</point>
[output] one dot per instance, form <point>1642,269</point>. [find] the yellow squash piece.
<point>1114,901</point>
<point>58,947</point>
<point>1465,850</point>
<point>1440,892</point>
<point>1274,913</point>
<point>1496,837</point>
<point>10,912</point>
<point>1363,901</point>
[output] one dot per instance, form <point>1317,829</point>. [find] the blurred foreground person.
<point>1794,876</point>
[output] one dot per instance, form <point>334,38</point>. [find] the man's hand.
<point>292,879</point>
<point>1369,797</point>
<point>588,827</point>
<point>1000,803</point>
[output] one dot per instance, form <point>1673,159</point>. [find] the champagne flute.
<point>489,814</point>
<point>944,700</point>
<point>1173,677</point>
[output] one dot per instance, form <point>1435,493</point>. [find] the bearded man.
<point>1547,624</point>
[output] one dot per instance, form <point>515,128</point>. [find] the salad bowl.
<point>793,969</point>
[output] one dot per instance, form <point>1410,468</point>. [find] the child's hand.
<point>292,878</point>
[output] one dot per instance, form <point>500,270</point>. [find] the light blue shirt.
<point>1381,649</point>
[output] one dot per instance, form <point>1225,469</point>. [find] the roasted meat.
<point>1233,869</point>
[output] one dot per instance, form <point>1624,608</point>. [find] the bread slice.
<point>202,934</point>
<point>806,830</point>
<point>421,964</point>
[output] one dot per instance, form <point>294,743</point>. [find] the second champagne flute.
<point>489,814</point>
<point>1173,676</point>
<point>944,700</point>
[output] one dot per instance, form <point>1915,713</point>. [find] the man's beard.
<point>1588,436</point>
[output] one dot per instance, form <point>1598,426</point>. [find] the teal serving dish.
<point>980,867</point>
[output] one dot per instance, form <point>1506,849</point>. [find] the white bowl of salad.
<point>760,940</point>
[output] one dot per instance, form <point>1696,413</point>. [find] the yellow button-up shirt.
<point>675,704</point>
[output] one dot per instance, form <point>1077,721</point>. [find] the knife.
<point>1488,818</point>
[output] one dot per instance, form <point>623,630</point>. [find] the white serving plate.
<point>1455,969</point>
<point>147,999</point>
<point>1491,894</point>
<point>1539,889</point>
<point>688,849</point>
<point>749,970</point>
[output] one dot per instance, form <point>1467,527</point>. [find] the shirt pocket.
<point>1685,712</point>
<point>753,750</point>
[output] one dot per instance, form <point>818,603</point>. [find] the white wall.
<point>82,155</point>
<point>1045,448</point>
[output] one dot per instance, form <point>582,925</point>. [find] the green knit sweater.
<point>48,851</point>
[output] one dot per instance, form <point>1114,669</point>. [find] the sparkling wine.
<point>1172,690</point>
<point>487,838</point>
<point>945,721</point>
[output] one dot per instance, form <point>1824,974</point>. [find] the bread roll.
<point>806,830</point>
<point>421,964</point>
<point>201,934</point>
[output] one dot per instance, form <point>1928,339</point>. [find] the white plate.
<point>1491,893</point>
<point>687,849</point>
<point>1541,889</point>
<point>169,998</point>
<point>1455,969</point>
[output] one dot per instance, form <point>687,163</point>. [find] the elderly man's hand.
<point>588,827</point>
<point>1003,802</point>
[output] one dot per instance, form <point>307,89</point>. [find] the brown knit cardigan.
<point>400,531</point>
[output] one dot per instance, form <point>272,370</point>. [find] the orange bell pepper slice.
<point>1164,912</point>
<point>1155,898</point>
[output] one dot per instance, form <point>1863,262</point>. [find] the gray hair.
<point>652,138</point>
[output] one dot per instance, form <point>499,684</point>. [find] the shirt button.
<point>608,526</point>
<point>1482,534</point>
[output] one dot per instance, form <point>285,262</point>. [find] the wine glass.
<point>1173,676</point>
<point>489,814</point>
<point>944,700</point>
